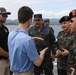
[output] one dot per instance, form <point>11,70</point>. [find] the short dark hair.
<point>24,14</point>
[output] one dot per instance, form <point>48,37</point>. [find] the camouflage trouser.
<point>61,72</point>
<point>47,66</point>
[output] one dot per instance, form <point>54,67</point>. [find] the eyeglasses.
<point>71,21</point>
<point>4,15</point>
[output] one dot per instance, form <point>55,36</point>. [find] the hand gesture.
<point>58,52</point>
<point>38,38</point>
<point>65,52</point>
<point>44,50</point>
<point>53,57</point>
<point>73,70</point>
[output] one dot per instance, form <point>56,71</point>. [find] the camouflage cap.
<point>72,13</point>
<point>3,10</point>
<point>64,18</point>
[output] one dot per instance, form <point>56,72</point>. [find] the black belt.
<point>3,58</point>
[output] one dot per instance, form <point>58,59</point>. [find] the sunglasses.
<point>4,15</point>
<point>71,21</point>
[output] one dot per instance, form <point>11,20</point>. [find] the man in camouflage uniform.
<point>42,31</point>
<point>72,51</point>
<point>64,41</point>
<point>47,23</point>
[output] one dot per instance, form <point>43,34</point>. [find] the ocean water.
<point>56,28</point>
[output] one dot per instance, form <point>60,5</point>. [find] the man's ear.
<point>30,20</point>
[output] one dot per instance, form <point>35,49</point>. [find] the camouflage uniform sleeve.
<point>56,42</point>
<point>52,42</point>
<point>72,56</point>
<point>29,30</point>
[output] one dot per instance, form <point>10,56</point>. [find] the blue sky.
<point>48,8</point>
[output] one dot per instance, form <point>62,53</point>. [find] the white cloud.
<point>45,14</point>
<point>49,8</point>
<point>50,14</point>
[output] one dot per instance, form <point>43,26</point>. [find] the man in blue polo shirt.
<point>22,51</point>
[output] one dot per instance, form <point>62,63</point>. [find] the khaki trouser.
<point>23,73</point>
<point>4,67</point>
